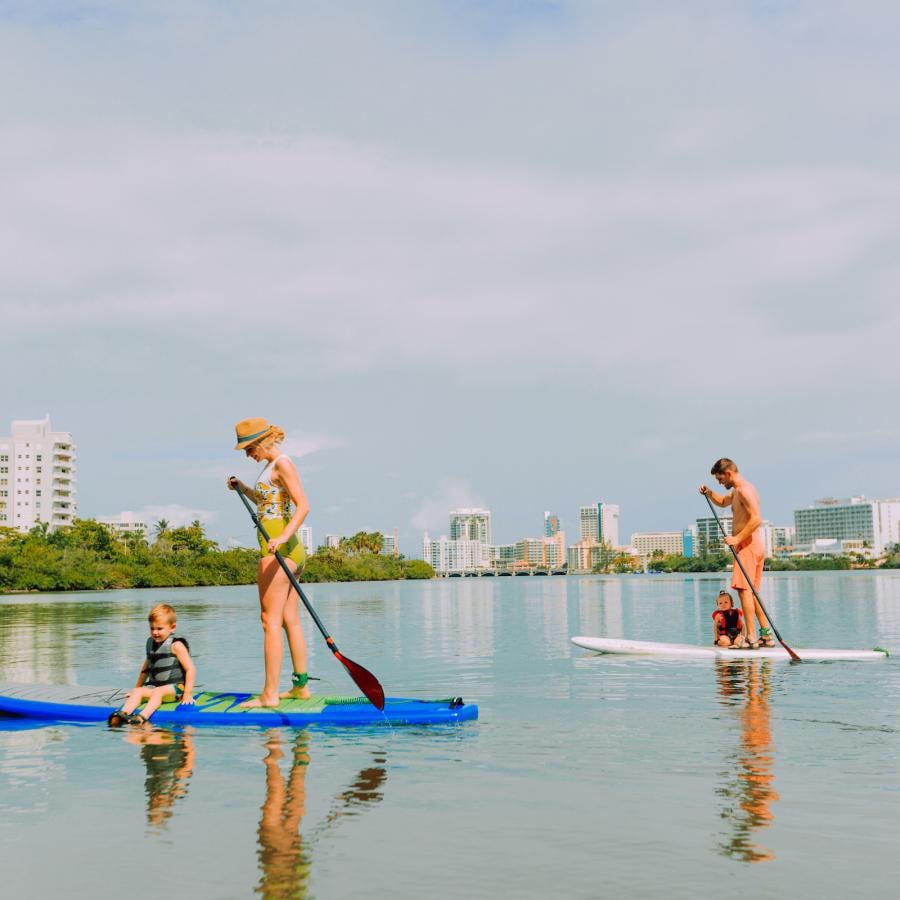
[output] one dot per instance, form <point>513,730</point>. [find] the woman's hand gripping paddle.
<point>364,679</point>
<point>737,559</point>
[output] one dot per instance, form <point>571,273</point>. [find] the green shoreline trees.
<point>90,556</point>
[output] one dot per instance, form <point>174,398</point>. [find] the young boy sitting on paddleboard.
<point>167,673</point>
<point>728,622</point>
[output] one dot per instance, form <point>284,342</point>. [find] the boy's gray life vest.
<point>162,664</point>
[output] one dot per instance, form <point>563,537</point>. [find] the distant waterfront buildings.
<point>583,556</point>
<point>646,543</point>
<point>874,523</point>
<point>332,540</point>
<point>37,476</point>
<point>600,522</point>
<point>390,545</point>
<point>709,535</point>
<point>305,535</point>
<point>472,524</point>
<point>125,523</point>
<point>455,555</point>
<point>551,524</point>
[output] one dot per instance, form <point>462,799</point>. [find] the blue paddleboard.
<point>74,703</point>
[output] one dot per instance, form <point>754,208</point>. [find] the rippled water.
<point>585,776</point>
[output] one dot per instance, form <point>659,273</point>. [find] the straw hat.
<point>249,431</point>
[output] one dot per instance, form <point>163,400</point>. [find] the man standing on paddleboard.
<point>748,544</point>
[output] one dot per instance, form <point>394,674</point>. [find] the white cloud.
<point>300,445</point>
<point>451,492</point>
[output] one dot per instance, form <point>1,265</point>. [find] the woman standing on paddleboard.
<point>282,506</point>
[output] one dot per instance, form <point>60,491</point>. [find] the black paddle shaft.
<point>737,559</point>
<point>364,679</point>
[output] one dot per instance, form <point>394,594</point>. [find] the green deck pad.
<point>218,702</point>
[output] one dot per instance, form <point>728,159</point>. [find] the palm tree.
<point>161,527</point>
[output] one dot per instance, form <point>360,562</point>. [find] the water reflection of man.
<point>169,759</point>
<point>744,684</point>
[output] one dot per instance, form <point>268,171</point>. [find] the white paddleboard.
<point>692,651</point>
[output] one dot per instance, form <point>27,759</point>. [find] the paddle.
<point>737,559</point>
<point>364,679</point>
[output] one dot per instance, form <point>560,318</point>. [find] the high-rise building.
<point>874,522</point>
<point>472,524</point>
<point>332,540</point>
<point>600,522</point>
<point>389,544</point>
<point>37,476</point>
<point>304,534</point>
<point>709,536</point>
<point>688,541</point>
<point>551,524</point>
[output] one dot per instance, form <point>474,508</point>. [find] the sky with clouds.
<point>521,254</point>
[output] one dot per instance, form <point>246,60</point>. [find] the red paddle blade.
<point>364,679</point>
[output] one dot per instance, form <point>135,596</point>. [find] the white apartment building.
<point>600,522</point>
<point>305,536</point>
<point>332,540</point>
<point>390,545</point>
<point>874,522</point>
<point>646,543</point>
<point>125,523</point>
<point>473,524</point>
<point>447,555</point>
<point>37,476</point>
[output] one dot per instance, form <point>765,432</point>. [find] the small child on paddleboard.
<point>167,673</point>
<point>728,622</point>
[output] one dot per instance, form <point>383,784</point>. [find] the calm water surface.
<point>585,776</point>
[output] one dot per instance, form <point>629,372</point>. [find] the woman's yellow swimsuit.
<point>275,509</point>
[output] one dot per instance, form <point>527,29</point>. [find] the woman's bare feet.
<point>263,701</point>
<point>297,693</point>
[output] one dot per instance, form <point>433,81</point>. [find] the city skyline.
<point>872,521</point>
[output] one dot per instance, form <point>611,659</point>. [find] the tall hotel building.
<point>874,522</point>
<point>600,522</point>
<point>37,476</point>
<point>470,525</point>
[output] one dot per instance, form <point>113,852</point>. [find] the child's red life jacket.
<point>728,619</point>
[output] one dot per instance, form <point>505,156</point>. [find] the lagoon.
<point>584,777</point>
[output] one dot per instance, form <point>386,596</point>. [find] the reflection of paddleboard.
<point>653,648</point>
<point>73,703</point>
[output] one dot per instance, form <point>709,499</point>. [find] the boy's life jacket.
<point>728,619</point>
<point>162,664</point>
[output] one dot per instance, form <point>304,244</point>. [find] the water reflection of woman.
<point>283,860</point>
<point>169,759</point>
<point>744,684</point>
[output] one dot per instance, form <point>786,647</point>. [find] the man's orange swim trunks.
<point>752,555</point>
